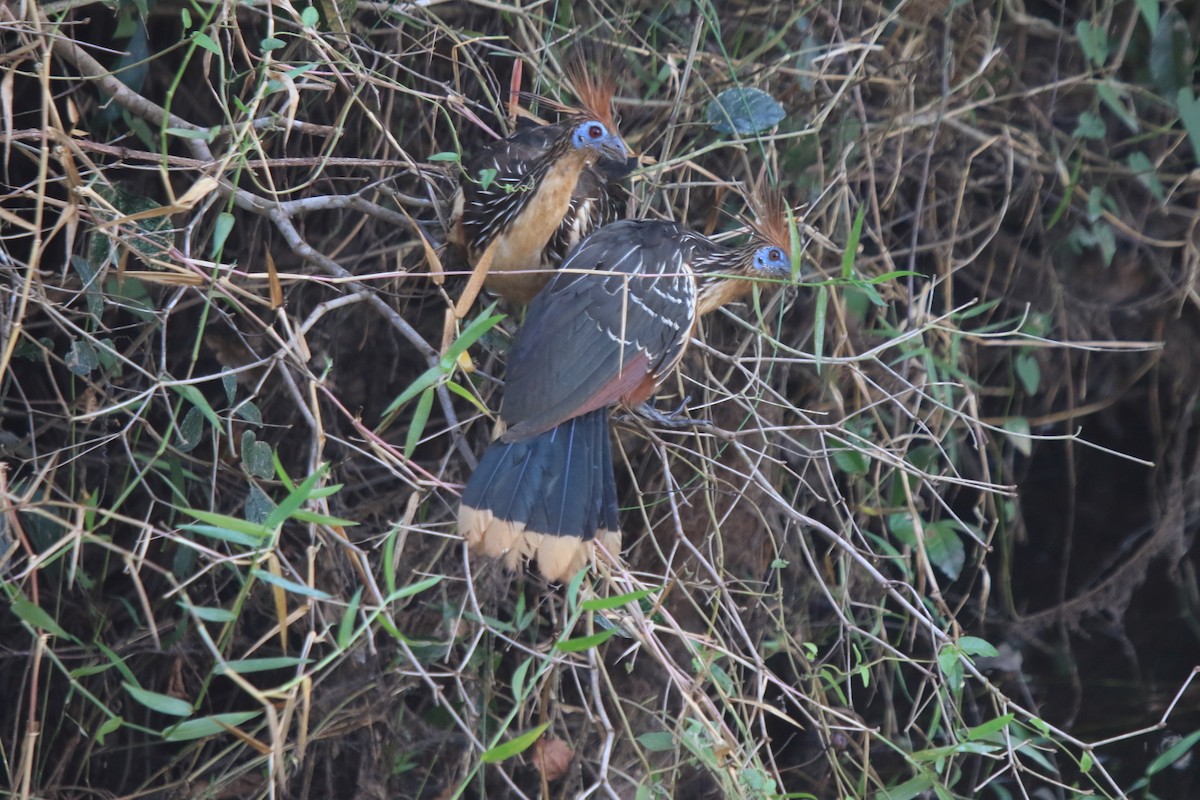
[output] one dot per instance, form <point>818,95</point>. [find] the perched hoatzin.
<point>539,191</point>
<point>610,325</point>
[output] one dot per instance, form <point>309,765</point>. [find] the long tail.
<point>548,497</point>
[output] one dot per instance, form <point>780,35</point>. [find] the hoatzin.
<point>608,328</point>
<point>539,191</point>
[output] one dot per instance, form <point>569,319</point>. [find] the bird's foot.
<point>671,419</point>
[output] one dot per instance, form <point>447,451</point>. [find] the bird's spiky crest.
<point>591,77</point>
<point>771,223</point>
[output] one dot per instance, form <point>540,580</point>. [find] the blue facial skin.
<point>772,260</point>
<point>592,134</point>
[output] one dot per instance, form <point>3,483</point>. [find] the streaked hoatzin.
<point>608,328</point>
<point>552,185</point>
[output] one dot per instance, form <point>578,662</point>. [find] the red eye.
<point>595,131</point>
<point>776,255</point>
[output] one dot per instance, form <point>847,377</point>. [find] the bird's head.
<point>594,135</point>
<point>766,258</point>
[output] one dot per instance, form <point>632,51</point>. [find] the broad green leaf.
<point>36,617</point>
<point>82,357</point>
<point>254,529</point>
<point>196,398</point>
<point>605,603</point>
<point>190,431</point>
<point>514,746</point>
<point>944,547</point>
<point>990,728</point>
<point>210,614</point>
<point>1018,430</point>
<point>744,111</point>
<point>257,456</point>
<point>657,741</point>
<point>852,242</point>
<point>162,703</point>
<point>246,666</point>
<point>206,41</point>
<point>1173,753</point>
<point>346,627</point>
<point>296,498</point>
<point>1028,372</point>
<point>289,585</point>
<point>582,643</point>
<point>975,646</point>
<point>203,727</point>
<point>223,534</point>
<point>446,156</point>
<point>420,419</point>
<point>1189,115</point>
<point>1172,54</point>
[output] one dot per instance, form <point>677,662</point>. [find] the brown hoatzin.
<point>608,328</point>
<point>538,192</point>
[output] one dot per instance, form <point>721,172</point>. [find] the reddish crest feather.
<point>589,73</point>
<point>772,223</point>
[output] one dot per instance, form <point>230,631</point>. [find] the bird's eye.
<point>595,131</point>
<point>775,255</point>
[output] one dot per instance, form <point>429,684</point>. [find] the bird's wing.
<point>619,310</point>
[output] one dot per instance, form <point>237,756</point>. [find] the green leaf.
<point>852,242</point>
<point>605,603</point>
<point>191,430</point>
<point>446,156</point>
<point>309,17</point>
<point>990,728</point>
<point>1086,762</point>
<point>257,456</point>
<point>1173,753</point>
<point>162,703</point>
<point>975,646</point>
<point>1112,96</point>
<point>582,643</point>
<point>82,358</point>
<point>413,588</point>
<point>657,741</point>
<point>1028,372</point>
<point>1018,430</point>
<point>486,178</point>
<point>35,616</point>
<point>289,585</point>
<point>221,230</point>
<point>1093,41</point>
<point>819,316</point>
<point>210,614</point>
<point>1143,167</point>
<point>514,746</point>
<point>1090,126</point>
<point>206,41</point>
<point>518,679</point>
<point>910,789</point>
<point>196,398</point>
<point>271,43</point>
<point>296,498</point>
<point>1149,9</point>
<point>345,631</point>
<point>851,462</point>
<point>944,547</point>
<point>246,666</point>
<point>109,725</point>
<point>1172,54</point>
<point>744,111</point>
<point>91,286</point>
<point>420,418</point>
<point>203,727</point>
<point>1189,115</point>
<point>224,534</point>
<point>229,523</point>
